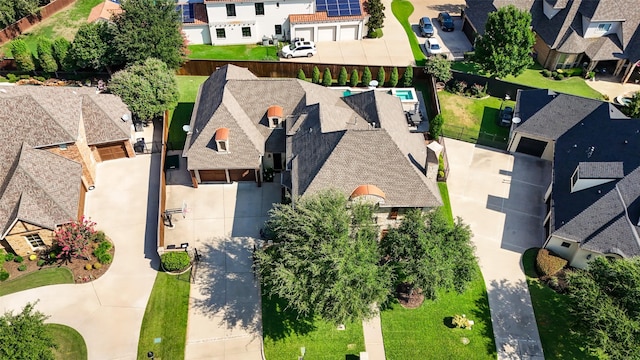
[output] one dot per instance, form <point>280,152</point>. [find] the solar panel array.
<point>339,7</point>
<point>186,10</point>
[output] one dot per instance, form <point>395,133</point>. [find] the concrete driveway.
<point>501,197</point>
<point>108,312</point>
<point>222,223</point>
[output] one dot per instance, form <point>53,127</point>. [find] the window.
<point>246,32</point>
<point>231,10</point>
<point>222,145</point>
<point>278,29</point>
<point>575,177</point>
<point>259,8</point>
<point>220,34</point>
<point>565,244</point>
<point>34,240</point>
<point>604,27</point>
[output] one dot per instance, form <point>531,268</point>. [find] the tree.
<point>149,29</point>
<point>435,126</point>
<point>354,80</point>
<point>73,238</point>
<point>301,75</point>
<point>315,75</point>
<point>375,9</point>
<point>324,258</point>
<point>438,67</point>
<point>60,50</point>
<point>632,109</point>
<point>505,47</point>
<point>342,77</point>
<point>22,55</point>
<point>148,89</point>
<point>14,10</point>
<point>393,78</point>
<point>24,336</point>
<point>326,77</point>
<point>90,46</point>
<point>606,305</point>
<point>45,56</point>
<point>366,76</point>
<point>381,76</point>
<point>407,77</point>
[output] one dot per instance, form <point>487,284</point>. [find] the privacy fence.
<point>14,30</point>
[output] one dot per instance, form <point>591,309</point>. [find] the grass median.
<point>44,277</point>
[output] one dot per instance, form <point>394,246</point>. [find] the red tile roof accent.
<point>274,111</point>
<point>104,11</point>
<point>222,134</point>
<point>321,16</point>
<point>367,190</point>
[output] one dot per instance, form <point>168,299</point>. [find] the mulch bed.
<point>407,299</point>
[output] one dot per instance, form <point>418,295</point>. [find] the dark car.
<point>426,27</point>
<point>506,115</point>
<point>446,21</point>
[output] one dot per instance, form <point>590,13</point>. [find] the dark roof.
<point>600,170</point>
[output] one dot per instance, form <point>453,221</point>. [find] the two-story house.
<point>593,34</point>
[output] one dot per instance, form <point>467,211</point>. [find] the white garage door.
<point>304,33</point>
<point>327,33</point>
<point>349,32</point>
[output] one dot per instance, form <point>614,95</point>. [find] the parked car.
<point>432,46</point>
<point>446,21</point>
<point>506,115</point>
<point>426,27</point>
<point>298,49</point>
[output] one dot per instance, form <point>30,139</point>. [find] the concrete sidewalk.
<point>373,341</point>
<point>500,196</point>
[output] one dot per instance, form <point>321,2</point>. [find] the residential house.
<point>52,138</point>
<point>315,137</point>
<point>104,11</point>
<point>226,22</point>
<point>602,35</point>
<point>593,200</point>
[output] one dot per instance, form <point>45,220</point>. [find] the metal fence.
<point>497,141</point>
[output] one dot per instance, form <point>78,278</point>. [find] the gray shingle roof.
<point>600,170</point>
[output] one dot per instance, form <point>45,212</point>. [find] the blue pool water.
<point>404,94</point>
<point>346,93</point>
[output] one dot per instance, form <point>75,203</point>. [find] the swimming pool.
<point>404,94</point>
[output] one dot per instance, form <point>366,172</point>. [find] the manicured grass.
<point>234,52</point>
<point>65,24</point>
<point>181,115</point>
<point>402,9</point>
<point>48,276</point>
<point>574,85</point>
<point>71,345</point>
<point>285,333</point>
<point>423,333</point>
<point>446,203</point>
<point>166,318</point>
<point>552,316</point>
<point>465,118</point>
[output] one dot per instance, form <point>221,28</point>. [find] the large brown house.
<point>50,141</point>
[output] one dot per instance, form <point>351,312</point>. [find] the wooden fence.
<point>14,30</point>
<point>163,181</point>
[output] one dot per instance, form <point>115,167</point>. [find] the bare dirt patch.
<point>458,107</point>
<point>407,298</point>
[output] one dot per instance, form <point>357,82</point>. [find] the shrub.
<point>469,55</point>
<point>60,50</point>
<point>393,78</point>
<point>99,237</point>
<point>105,258</point>
<point>41,263</point>
<point>554,74</point>
<point>9,257</point>
<point>25,77</point>
<point>546,73</point>
<point>301,75</point>
<point>366,76</point>
<point>438,67</point>
<point>355,78</point>
<point>22,55</point>
<point>326,77</point>
<point>19,259</point>
<point>315,77</point>
<point>12,78</point>
<point>102,252</point>
<point>4,275</point>
<point>53,255</point>
<point>458,87</point>
<point>342,77</point>
<point>374,34</point>
<point>407,77</point>
<point>573,72</point>
<point>88,267</point>
<point>548,264</point>
<point>22,267</point>
<point>73,238</point>
<point>45,57</point>
<point>97,266</point>
<point>381,76</point>
<point>435,126</point>
<point>40,78</point>
<point>32,257</point>
<point>461,322</point>
<point>558,76</point>
<point>477,90</point>
<point>175,260</point>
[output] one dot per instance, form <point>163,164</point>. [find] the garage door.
<point>349,32</point>
<point>212,175</point>
<point>111,151</point>
<point>242,175</point>
<point>327,33</point>
<point>304,33</point>
<point>531,146</point>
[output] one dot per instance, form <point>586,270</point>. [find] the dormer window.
<point>222,140</point>
<point>604,27</point>
<point>368,193</point>
<point>592,173</point>
<point>274,116</point>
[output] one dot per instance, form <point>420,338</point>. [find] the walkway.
<point>108,312</point>
<point>612,87</point>
<point>373,342</point>
<point>500,196</point>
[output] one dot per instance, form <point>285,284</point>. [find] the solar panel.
<point>339,7</point>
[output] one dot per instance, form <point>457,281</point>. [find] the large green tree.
<point>148,89</point>
<point>439,67</point>
<point>22,55</point>
<point>14,10</point>
<point>606,306</point>
<point>45,55</point>
<point>375,9</point>
<point>324,260</point>
<point>24,336</point>
<point>91,46</point>
<point>505,47</point>
<point>149,28</point>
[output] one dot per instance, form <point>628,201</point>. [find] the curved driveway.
<point>108,312</point>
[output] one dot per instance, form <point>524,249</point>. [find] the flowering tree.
<point>73,238</point>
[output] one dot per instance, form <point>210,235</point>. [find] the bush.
<point>9,257</point>
<point>41,263</point>
<point>97,266</point>
<point>301,75</point>
<point>381,76</point>
<point>326,77</point>
<point>554,74</point>
<point>19,259</point>
<point>22,267</point>
<point>175,260</point>
<point>33,257</point>
<point>12,78</point>
<point>374,34</point>
<point>99,237</point>
<point>461,322</point>
<point>45,56</point>
<point>477,90</point>
<point>435,127</point>
<point>573,72</point>
<point>407,77</point>
<point>22,55</point>
<point>469,55</point>
<point>355,78</point>
<point>366,76</point>
<point>558,76</point>
<point>458,87</point>
<point>315,77</point>
<point>105,258</point>
<point>102,252</point>
<point>342,77</point>
<point>4,275</point>
<point>393,78</point>
<point>88,267</point>
<point>546,73</point>
<point>548,264</point>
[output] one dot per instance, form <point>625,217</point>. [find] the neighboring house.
<point>226,22</point>
<point>52,138</point>
<point>602,34</point>
<point>593,201</point>
<point>104,11</point>
<point>318,139</point>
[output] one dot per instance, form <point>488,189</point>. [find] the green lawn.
<point>574,85</point>
<point>166,318</point>
<point>65,23</point>
<point>285,333</point>
<point>465,118</point>
<point>552,316</point>
<point>402,9</point>
<point>233,52</point>
<point>48,276</point>
<point>71,345</point>
<point>446,203</point>
<point>181,115</point>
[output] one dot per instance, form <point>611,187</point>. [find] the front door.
<point>277,161</point>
